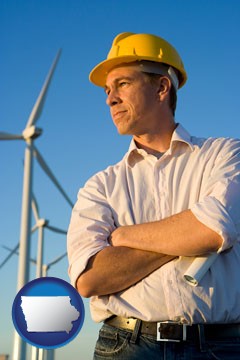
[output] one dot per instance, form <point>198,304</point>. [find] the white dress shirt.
<point>195,173</point>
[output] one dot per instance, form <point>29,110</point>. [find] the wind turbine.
<point>41,269</point>
<point>45,267</point>
<point>40,225</point>
<point>41,354</point>
<point>29,134</point>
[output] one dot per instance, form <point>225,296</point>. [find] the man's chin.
<point>124,130</point>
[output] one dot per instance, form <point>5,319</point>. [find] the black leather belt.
<point>171,331</point>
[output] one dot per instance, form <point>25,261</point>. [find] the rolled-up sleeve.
<point>90,226</point>
<point>219,205</point>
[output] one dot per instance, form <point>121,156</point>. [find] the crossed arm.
<point>138,250</point>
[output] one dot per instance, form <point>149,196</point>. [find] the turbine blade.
<point>7,136</point>
<point>13,251</point>
<point>35,208</point>
<point>34,228</point>
<point>55,229</point>
<point>56,260</point>
<point>47,170</point>
<point>9,249</point>
<point>37,109</point>
<point>16,253</point>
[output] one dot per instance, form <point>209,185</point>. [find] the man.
<point>138,225</point>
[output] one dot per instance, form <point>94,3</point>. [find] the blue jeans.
<point>118,344</point>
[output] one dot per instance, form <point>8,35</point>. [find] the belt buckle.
<point>183,333</point>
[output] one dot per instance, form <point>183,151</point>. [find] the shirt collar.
<point>180,135</point>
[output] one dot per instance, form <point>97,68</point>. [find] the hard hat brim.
<point>99,73</point>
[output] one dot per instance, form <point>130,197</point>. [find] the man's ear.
<point>164,86</point>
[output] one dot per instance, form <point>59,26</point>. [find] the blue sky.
<point>78,137</point>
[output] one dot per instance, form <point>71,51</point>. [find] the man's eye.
<point>107,91</point>
<point>123,83</point>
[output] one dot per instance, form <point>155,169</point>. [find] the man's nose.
<point>113,98</point>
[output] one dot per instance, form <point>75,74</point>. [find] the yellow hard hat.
<point>129,47</point>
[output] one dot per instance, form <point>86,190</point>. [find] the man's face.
<point>133,101</point>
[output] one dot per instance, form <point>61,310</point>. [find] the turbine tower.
<point>41,354</point>
<point>41,268</point>
<point>29,134</point>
